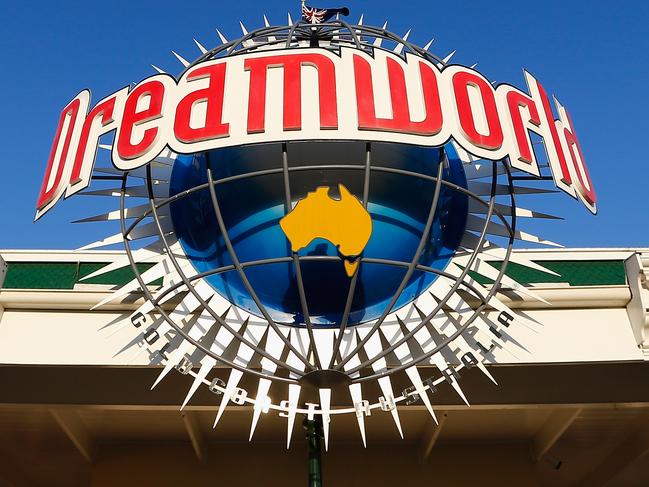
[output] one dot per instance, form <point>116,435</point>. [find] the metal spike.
<point>400,46</point>
<point>172,362</point>
<point>373,347</point>
<point>274,347</point>
<point>133,212</point>
<point>198,329</point>
<point>200,47</point>
<point>220,343</point>
<point>357,398</point>
<point>495,303</point>
<point>118,237</point>
<point>162,328</point>
<point>448,58</point>
<point>430,43</point>
<point>336,36</point>
<point>160,71</point>
<point>325,405</point>
<point>441,364</point>
<point>474,65</point>
<point>300,341</point>
<point>165,161</point>
<point>525,213</point>
<point>386,388</point>
<point>458,305</point>
<point>459,391</point>
<point>379,40</point>
<point>243,28</point>
<point>324,344</point>
<point>233,382</point>
<point>140,173</point>
<point>507,210</point>
<point>415,378</point>
<point>500,253</point>
<point>476,223</point>
<point>293,398</point>
<point>182,60</point>
<point>454,327</point>
<point>484,189</point>
<point>260,404</point>
<point>486,372</point>
<point>207,365</point>
<point>348,344</point>
<point>290,19</point>
<point>147,307</point>
<point>141,191</point>
<point>394,333</point>
<point>360,21</point>
<point>156,272</point>
<point>428,343</point>
<point>267,24</point>
<point>221,36</point>
<point>485,269</point>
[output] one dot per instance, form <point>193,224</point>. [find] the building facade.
<point>571,409</point>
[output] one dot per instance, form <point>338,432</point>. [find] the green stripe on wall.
<point>65,275</point>
<point>574,272</point>
<point>58,275</point>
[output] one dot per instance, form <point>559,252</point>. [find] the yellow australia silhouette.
<point>344,222</point>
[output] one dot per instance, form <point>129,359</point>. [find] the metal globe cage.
<point>332,36</point>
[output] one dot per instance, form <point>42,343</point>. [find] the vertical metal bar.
<point>353,283</point>
<point>240,270</point>
<point>454,288</point>
<point>413,264</point>
<point>291,34</point>
<point>296,261</point>
<point>352,31</point>
<point>314,442</point>
<point>143,285</point>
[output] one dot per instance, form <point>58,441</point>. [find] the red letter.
<point>583,184</point>
<point>292,64</point>
<point>400,121</point>
<point>213,95</point>
<point>99,121</point>
<point>493,139</point>
<point>547,110</point>
<point>516,101</point>
<point>155,91</point>
<point>53,182</point>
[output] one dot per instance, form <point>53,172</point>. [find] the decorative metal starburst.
<point>445,328</point>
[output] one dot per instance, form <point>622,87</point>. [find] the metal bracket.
<point>3,274</point>
<point>637,270</point>
<point>3,271</point>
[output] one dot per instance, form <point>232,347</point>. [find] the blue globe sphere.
<point>252,206</point>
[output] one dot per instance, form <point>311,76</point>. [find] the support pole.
<point>314,441</point>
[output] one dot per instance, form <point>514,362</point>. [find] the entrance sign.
<point>323,213</point>
<point>325,96</point>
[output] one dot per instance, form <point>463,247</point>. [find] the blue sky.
<point>592,55</point>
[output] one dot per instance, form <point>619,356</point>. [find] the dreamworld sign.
<point>315,94</point>
<point>312,210</point>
